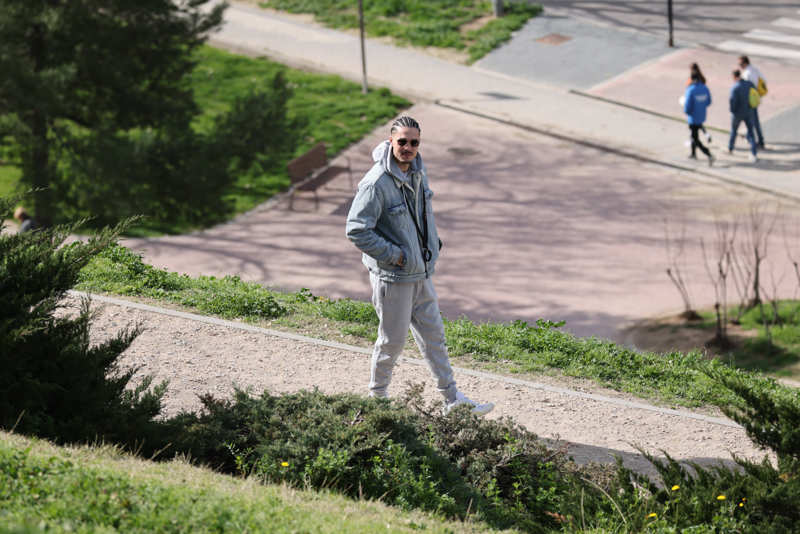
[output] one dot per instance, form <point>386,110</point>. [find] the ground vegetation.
<point>456,24</point>
<point>405,453</point>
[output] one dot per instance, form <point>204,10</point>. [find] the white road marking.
<point>767,35</point>
<point>743,47</point>
<point>787,23</point>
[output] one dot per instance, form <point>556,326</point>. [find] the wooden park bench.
<point>312,170</point>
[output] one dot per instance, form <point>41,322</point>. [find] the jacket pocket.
<point>397,216</point>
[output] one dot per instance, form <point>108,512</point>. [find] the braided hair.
<point>405,121</point>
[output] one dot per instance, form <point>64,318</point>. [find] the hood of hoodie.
<point>382,154</point>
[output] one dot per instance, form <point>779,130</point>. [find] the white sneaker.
<point>753,158</point>
<point>477,409</point>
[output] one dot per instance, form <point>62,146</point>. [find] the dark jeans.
<point>748,121</point>
<point>757,126</point>
<point>695,128</point>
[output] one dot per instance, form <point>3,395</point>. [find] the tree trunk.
<point>37,170</point>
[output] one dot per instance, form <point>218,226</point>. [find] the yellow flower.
<point>285,464</point>
<point>741,504</point>
<point>652,515</point>
<point>720,497</point>
<point>676,487</point>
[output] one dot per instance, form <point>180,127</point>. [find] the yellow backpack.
<point>755,98</point>
<point>762,87</point>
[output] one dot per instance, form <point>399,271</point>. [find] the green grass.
<point>44,488</point>
<point>325,107</point>
<point>438,23</point>
<point>777,354</point>
<point>9,179</point>
<point>516,347</point>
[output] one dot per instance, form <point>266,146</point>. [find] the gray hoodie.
<point>381,225</point>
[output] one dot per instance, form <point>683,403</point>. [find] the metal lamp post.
<point>669,19</point>
<point>364,87</point>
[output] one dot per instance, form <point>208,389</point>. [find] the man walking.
<point>741,111</point>
<point>391,221</point>
<point>696,101</point>
<point>753,75</point>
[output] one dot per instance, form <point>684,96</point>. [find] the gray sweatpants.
<point>400,305</point>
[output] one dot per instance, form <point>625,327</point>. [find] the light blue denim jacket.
<point>379,222</point>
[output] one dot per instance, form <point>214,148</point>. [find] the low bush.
<point>407,454</point>
<point>756,497</point>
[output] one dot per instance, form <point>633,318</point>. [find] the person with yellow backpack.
<point>753,75</point>
<point>742,110</point>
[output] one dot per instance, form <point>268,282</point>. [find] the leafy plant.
<point>55,383</point>
<point>408,455</point>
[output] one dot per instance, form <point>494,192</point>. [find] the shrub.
<point>406,454</point>
<point>756,497</point>
<point>54,383</point>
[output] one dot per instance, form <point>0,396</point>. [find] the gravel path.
<point>201,354</point>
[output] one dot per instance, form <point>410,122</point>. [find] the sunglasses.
<point>402,142</point>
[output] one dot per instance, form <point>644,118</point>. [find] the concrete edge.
<point>597,145</point>
<point>414,361</point>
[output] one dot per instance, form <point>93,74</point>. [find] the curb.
<point>414,361</point>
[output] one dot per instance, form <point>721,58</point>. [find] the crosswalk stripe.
<point>743,47</point>
<point>767,35</point>
<point>787,23</point>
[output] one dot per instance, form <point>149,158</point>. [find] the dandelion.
<point>676,487</point>
<point>284,464</point>
<point>721,497</point>
<point>741,504</point>
<point>652,515</point>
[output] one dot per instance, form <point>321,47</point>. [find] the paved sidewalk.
<point>542,107</point>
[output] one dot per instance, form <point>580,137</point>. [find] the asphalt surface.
<point>710,22</point>
<point>563,51</point>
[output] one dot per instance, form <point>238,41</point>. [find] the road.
<point>766,27</point>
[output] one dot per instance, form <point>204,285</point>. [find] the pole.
<point>669,18</point>
<point>364,88</point>
<point>497,7</point>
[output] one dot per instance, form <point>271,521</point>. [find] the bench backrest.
<point>304,166</point>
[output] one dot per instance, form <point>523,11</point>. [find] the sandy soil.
<point>197,357</point>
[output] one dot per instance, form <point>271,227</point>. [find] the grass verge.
<point>44,488</point>
<point>456,24</point>
<point>515,347</point>
<point>764,339</point>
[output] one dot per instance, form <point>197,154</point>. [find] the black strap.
<point>422,235</point>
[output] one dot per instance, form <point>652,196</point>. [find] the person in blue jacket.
<point>695,102</point>
<point>741,111</point>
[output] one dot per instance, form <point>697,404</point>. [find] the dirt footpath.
<point>198,356</point>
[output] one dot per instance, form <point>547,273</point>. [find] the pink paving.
<point>533,227</point>
<point>658,85</point>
